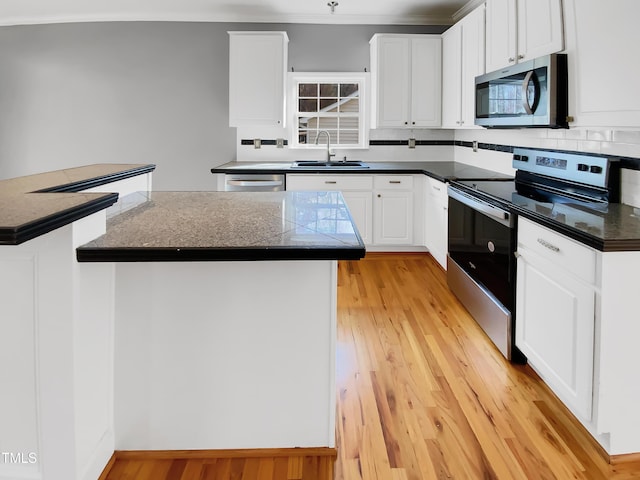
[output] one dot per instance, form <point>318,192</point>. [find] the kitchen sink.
<point>338,164</point>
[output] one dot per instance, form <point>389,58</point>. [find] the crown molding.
<point>337,19</point>
<point>466,9</point>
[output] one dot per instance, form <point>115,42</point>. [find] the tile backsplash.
<point>630,180</point>
<point>624,143</point>
<point>438,145</point>
<point>619,143</point>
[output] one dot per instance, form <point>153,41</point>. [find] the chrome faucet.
<point>329,154</point>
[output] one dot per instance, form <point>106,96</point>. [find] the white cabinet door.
<point>473,59</point>
<point>520,30</point>
<point>393,214</point>
<point>361,205</point>
<point>451,76</point>
<point>555,312</point>
<point>555,330</point>
<point>257,65</point>
<point>602,40</point>
<point>426,81</point>
<point>390,63</point>
<point>435,229</point>
<point>502,34</point>
<point>406,81</point>
<point>540,29</point>
<point>463,47</point>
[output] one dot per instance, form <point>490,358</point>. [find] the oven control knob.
<point>596,169</point>
<point>583,167</point>
<point>491,246</point>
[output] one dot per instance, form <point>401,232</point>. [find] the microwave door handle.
<point>525,92</point>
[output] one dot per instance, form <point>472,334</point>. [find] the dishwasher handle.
<point>255,183</point>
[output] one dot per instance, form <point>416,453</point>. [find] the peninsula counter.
<point>170,321</point>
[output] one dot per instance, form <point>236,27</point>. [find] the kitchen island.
<point>176,321</point>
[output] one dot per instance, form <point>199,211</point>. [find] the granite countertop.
<point>219,226</point>
<point>613,227</point>
<point>33,205</point>
<point>443,171</point>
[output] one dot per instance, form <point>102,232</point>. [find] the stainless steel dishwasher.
<point>253,183</point>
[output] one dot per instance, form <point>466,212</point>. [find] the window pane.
<point>310,105</point>
<point>347,89</point>
<point>348,138</point>
<point>303,137</point>
<point>308,90</point>
<point>328,105</point>
<point>325,123</point>
<point>350,105</point>
<point>303,122</point>
<point>328,89</point>
<point>349,123</point>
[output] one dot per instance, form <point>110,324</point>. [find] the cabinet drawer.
<point>393,182</point>
<point>565,253</point>
<point>329,182</point>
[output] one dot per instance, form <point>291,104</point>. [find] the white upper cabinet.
<point>602,40</point>
<point>521,30</point>
<point>406,81</point>
<point>257,66</point>
<point>463,47</point>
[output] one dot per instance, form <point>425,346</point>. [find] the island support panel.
<point>225,355</point>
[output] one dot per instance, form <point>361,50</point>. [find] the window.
<point>334,102</point>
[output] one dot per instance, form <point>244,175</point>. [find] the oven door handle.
<point>480,206</point>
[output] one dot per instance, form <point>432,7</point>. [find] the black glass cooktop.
<point>570,207</point>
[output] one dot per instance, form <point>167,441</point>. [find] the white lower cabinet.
<point>393,210</point>
<point>435,219</point>
<point>577,323</point>
<point>555,312</point>
<point>382,206</point>
<point>361,207</point>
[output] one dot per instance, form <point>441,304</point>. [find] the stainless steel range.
<point>482,228</point>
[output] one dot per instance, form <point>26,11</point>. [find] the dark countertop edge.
<point>289,170</point>
<point>29,231</point>
<point>102,180</point>
<point>92,254</point>
<point>613,245</point>
<point>360,171</point>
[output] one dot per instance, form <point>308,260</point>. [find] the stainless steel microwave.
<point>529,94</point>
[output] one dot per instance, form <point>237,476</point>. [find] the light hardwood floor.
<point>422,395</point>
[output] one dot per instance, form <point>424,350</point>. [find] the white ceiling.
<point>406,12</point>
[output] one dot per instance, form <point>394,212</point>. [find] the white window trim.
<point>343,77</point>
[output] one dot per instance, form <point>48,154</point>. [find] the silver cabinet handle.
<point>520,56</point>
<point>548,245</point>
<point>435,188</point>
<point>511,59</point>
<point>395,181</point>
<point>330,182</point>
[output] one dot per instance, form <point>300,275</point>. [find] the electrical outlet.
<point>280,142</point>
<point>412,143</point>
<point>475,145</point>
<point>257,143</point>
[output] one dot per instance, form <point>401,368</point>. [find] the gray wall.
<point>141,92</point>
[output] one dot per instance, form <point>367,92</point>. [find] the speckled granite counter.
<point>36,204</point>
<point>614,227</point>
<point>442,171</point>
<point>209,226</point>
